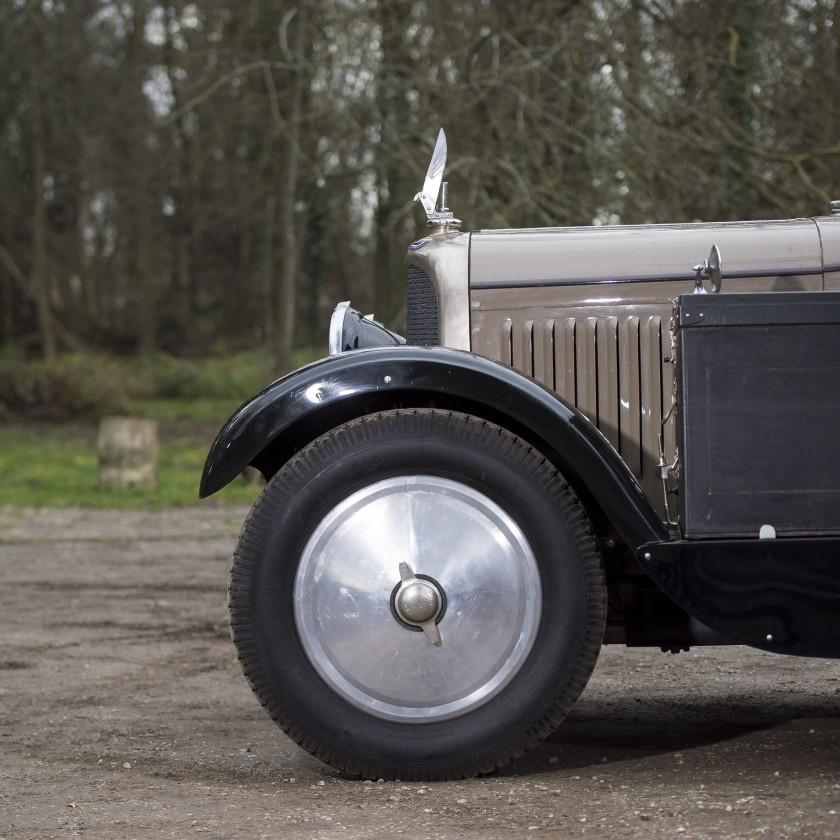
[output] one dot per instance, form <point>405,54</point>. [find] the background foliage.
<point>210,177</point>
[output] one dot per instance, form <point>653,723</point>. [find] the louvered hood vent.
<point>609,367</point>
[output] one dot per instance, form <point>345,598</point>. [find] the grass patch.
<point>50,413</point>
<point>57,465</point>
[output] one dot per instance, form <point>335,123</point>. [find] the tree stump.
<point>253,477</point>
<point>128,453</point>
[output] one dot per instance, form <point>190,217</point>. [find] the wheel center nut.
<point>418,602</point>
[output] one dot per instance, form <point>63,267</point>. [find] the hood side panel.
<point>587,312</point>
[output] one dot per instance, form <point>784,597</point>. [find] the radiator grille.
<point>421,309</point>
<point>611,368</point>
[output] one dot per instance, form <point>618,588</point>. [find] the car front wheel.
<point>417,595</point>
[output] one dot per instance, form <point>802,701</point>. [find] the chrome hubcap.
<point>417,553</point>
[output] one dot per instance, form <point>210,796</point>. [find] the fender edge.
<point>289,413</point>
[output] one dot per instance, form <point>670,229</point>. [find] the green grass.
<point>57,465</point>
<point>45,462</point>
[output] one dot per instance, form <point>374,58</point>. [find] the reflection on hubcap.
<point>476,565</point>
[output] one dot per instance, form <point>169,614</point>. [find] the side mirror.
<point>715,270</point>
<point>711,269</point>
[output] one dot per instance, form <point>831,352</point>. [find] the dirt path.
<point>123,714</point>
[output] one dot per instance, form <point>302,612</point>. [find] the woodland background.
<point>199,179</point>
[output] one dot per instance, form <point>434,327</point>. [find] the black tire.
<point>302,630</point>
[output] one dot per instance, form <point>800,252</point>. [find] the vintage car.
<point>589,435</point>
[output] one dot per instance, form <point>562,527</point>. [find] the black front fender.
<point>296,409</point>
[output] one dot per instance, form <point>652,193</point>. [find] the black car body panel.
<point>780,595</point>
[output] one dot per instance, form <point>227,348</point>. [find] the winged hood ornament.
<point>434,177</point>
<point>434,186</point>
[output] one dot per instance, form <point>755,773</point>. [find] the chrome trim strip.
<point>688,277</point>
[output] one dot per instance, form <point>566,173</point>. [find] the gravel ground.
<point>123,714</point>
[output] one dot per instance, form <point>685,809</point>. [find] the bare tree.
<point>197,177</point>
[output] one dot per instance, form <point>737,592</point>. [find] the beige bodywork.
<point>587,311</point>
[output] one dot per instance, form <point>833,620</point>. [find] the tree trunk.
<point>393,84</point>
<point>8,317</point>
<point>287,192</point>
<point>139,156</point>
<point>186,214</point>
<point>39,278</point>
<point>7,286</point>
<point>269,222</point>
<point>315,236</point>
<point>146,294</point>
